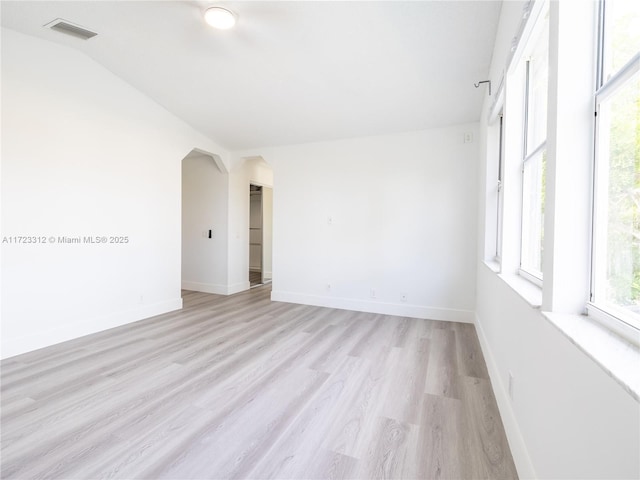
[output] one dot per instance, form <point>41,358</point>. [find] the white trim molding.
<point>397,309</point>
<point>216,288</point>
<point>518,447</point>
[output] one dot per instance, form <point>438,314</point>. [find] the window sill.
<point>617,356</point>
<point>492,265</point>
<point>530,293</point>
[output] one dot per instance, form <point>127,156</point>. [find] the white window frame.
<point>500,194</point>
<point>618,320</point>
<point>534,277</point>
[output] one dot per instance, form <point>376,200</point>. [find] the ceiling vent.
<point>63,26</point>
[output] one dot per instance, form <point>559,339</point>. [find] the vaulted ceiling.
<point>289,72</point>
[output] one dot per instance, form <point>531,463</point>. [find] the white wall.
<point>267,233</point>
<point>85,154</point>
<point>567,418</point>
<point>391,214</point>
<point>204,207</point>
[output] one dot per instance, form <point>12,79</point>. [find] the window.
<point>536,67</point>
<point>500,182</point>
<point>615,285</point>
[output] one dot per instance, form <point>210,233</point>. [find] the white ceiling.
<point>290,72</point>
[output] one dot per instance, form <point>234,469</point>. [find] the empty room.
<point>320,239</point>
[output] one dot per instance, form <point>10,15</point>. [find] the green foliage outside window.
<point>622,43</point>
<point>623,236</point>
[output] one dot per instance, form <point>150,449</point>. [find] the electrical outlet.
<point>468,137</point>
<point>328,286</point>
<point>403,297</point>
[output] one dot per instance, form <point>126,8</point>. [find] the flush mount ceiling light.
<point>219,17</point>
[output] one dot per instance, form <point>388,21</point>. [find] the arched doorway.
<point>204,223</point>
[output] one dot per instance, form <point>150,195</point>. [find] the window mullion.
<point>619,78</point>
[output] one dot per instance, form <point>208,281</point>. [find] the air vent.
<point>63,26</point>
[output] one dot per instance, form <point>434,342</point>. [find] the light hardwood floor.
<point>241,387</point>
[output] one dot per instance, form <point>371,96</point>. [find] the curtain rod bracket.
<point>484,81</point>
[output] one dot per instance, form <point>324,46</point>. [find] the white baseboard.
<point>514,436</point>
<point>215,288</point>
<point>205,287</point>
<point>398,309</point>
<point>62,333</point>
<point>238,287</point>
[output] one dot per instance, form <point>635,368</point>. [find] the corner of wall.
<point>517,444</point>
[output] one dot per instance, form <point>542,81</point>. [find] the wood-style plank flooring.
<point>241,387</point>
<point>255,278</point>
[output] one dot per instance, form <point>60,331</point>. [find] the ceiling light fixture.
<point>219,17</point>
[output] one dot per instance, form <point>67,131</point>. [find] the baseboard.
<point>238,287</point>
<point>205,287</point>
<point>63,333</point>
<point>216,288</point>
<point>516,441</point>
<point>398,309</point>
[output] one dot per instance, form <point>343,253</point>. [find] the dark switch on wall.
<point>209,233</point>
